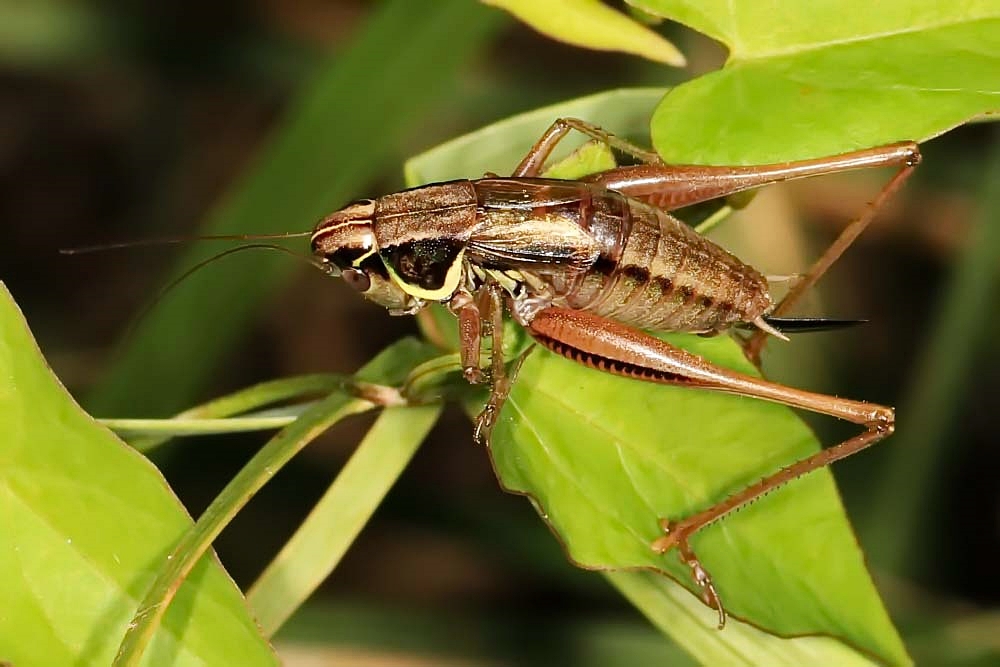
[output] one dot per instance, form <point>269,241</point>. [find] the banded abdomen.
<point>655,272</point>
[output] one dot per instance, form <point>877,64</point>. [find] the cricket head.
<point>345,242</point>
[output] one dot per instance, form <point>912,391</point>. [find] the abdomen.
<point>655,272</point>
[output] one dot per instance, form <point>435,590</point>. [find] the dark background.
<point>130,120</point>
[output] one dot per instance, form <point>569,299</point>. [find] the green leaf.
<point>603,457</point>
<point>590,158</point>
<point>500,146</point>
<point>87,522</point>
<point>50,34</point>
<point>340,131</point>
<point>676,613</point>
<point>818,78</point>
<point>163,429</point>
<point>334,523</point>
<point>592,25</point>
<point>390,367</point>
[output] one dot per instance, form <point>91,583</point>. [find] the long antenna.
<point>175,240</point>
<point>328,269</point>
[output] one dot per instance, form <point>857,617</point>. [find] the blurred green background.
<point>131,120</point>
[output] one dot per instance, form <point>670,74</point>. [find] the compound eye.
<point>359,280</point>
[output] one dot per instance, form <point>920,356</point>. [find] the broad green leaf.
<point>390,367</point>
<point>603,457</point>
<point>321,541</point>
<point>87,522</point>
<point>592,25</point>
<point>807,79</point>
<point>590,158</point>
<point>335,137</point>
<point>500,146</point>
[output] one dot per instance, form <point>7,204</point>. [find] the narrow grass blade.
<point>333,525</point>
<point>237,493</point>
<point>208,417</point>
<point>390,367</point>
<point>268,393</point>
<point>170,428</point>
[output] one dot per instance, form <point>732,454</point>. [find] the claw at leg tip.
<point>716,603</point>
<point>484,425</point>
<point>709,595</point>
<point>676,537</point>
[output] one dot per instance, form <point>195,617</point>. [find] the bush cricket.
<point>586,266</point>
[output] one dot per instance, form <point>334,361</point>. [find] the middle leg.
<point>501,381</point>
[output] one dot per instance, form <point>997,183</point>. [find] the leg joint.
<point>882,420</point>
